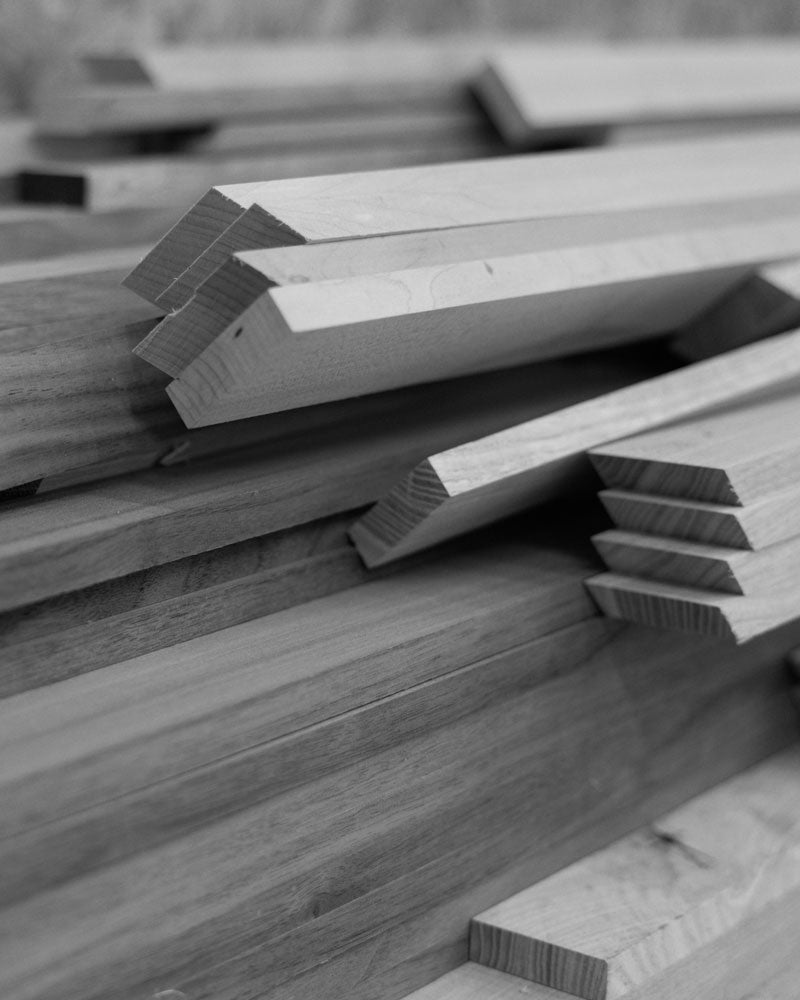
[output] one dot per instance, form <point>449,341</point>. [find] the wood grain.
<point>439,197</point>
<point>766,303</point>
<point>222,908</point>
<point>706,567</point>
<point>733,458</point>
<point>235,286</point>
<point>313,342</point>
<point>310,467</point>
<point>616,924</point>
<point>456,491</point>
<point>686,609</point>
<point>471,981</point>
<point>765,522</point>
<point>534,94</point>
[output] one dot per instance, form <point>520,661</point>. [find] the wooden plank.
<point>455,491</point>
<point>732,458</point>
<point>686,609</point>
<point>44,301</point>
<point>310,467</point>
<point>310,343</point>
<point>29,232</point>
<point>222,907</point>
<point>58,741</point>
<point>633,918</point>
<point>707,567</point>
<point>238,283</point>
<point>178,180</point>
<point>472,981</point>
<point>766,303</point>
<point>440,197</point>
<point>765,522</point>
<point>533,95</point>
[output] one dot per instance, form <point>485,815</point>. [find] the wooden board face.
<point>479,483</point>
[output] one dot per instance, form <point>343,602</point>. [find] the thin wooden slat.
<point>444,196</point>
<point>733,458</point>
<point>687,609</point>
<point>638,918</point>
<point>238,283</point>
<point>30,233</point>
<point>533,97</point>
<point>766,303</point>
<point>765,522</point>
<point>707,567</point>
<point>461,489</point>
<point>303,344</point>
<point>313,465</point>
<point>382,845</point>
<point>472,981</point>
<point>145,182</point>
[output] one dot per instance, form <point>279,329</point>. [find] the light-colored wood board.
<point>732,458</point>
<point>64,541</point>
<point>58,739</point>
<point>221,907</point>
<point>50,855</point>
<point>766,303</point>
<point>616,923</point>
<point>466,487</point>
<point>30,232</point>
<point>443,196</point>
<point>765,522</point>
<point>178,180</point>
<point>237,284</point>
<point>686,609</point>
<point>530,95</point>
<point>707,567</point>
<point>304,344</point>
<point>472,981</point>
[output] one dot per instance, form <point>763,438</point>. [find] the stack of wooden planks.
<point>243,757</point>
<point>706,513</point>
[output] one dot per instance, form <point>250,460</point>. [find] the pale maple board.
<point>178,180</point>
<point>764,522</point>
<point>455,491</point>
<point>531,96</point>
<point>733,458</point>
<point>477,982</point>
<point>719,874</point>
<point>766,303</point>
<point>237,283</point>
<point>668,606</point>
<point>310,466</point>
<point>414,837</point>
<point>307,210</point>
<point>707,567</point>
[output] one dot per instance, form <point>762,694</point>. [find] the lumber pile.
<point>302,688</point>
<point>706,513</point>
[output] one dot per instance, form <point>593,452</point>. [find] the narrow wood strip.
<point>629,919</point>
<point>315,465</point>
<point>236,285</point>
<point>455,491</point>
<point>734,458</point>
<point>532,97</point>
<point>707,567</point>
<point>389,843</point>
<point>312,343</point>
<point>440,197</point>
<point>472,981</point>
<point>179,180</point>
<point>766,303</point>
<point>685,609</point>
<point>758,525</point>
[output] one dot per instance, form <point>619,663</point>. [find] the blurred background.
<point>37,37</point>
